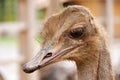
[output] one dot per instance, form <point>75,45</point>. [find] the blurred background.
<point>20,25</point>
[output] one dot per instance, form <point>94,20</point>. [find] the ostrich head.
<point>69,35</point>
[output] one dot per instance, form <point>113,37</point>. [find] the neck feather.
<point>95,67</point>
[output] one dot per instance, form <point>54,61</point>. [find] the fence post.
<point>27,37</point>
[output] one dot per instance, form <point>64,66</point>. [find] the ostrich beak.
<point>44,58</point>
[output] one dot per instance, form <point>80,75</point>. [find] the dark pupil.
<point>76,33</point>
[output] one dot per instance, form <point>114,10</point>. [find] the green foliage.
<point>41,14</point>
<point>8,40</point>
<point>39,39</point>
<point>8,10</point>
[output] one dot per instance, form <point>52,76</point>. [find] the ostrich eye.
<point>77,33</point>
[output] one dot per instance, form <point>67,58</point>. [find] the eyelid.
<point>77,29</point>
<point>78,25</point>
<point>82,27</point>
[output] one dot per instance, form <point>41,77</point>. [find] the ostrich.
<point>74,35</point>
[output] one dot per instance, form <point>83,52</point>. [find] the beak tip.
<point>26,69</point>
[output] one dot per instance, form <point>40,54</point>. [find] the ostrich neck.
<point>95,67</point>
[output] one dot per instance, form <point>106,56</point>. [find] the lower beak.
<point>45,58</point>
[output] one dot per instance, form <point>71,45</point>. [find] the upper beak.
<point>44,57</point>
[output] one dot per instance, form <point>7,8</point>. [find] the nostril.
<point>48,55</point>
